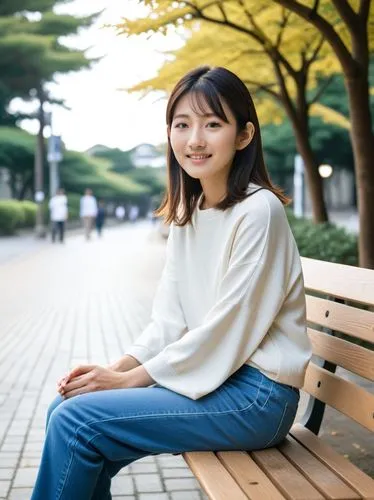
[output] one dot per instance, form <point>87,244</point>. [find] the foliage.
<point>79,171</point>
<point>153,178</point>
<point>120,160</point>
<point>324,241</point>
<point>247,40</point>
<point>17,149</point>
<point>29,209</point>
<point>12,215</point>
<point>32,49</point>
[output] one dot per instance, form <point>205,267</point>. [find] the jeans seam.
<point>270,393</point>
<point>64,476</point>
<point>72,443</point>
<point>279,427</point>
<point>178,414</point>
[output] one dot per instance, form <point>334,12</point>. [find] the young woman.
<point>220,364</point>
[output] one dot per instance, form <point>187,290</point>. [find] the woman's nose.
<point>196,139</point>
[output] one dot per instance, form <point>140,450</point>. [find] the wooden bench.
<point>303,467</point>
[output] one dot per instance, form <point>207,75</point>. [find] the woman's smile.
<point>198,158</point>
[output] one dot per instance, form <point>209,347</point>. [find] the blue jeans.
<point>91,437</point>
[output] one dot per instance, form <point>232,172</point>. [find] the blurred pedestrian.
<point>100,217</point>
<point>58,207</point>
<point>120,212</point>
<point>134,212</point>
<point>88,211</point>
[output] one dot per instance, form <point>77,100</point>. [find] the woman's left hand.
<point>90,378</point>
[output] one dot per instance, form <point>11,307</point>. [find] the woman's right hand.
<point>124,364</point>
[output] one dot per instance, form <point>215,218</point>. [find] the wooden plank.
<point>285,476</point>
<point>249,476</point>
<point>216,481</point>
<point>346,282</point>
<point>341,394</point>
<point>346,319</point>
<point>351,474</point>
<point>350,356</point>
<point>317,473</point>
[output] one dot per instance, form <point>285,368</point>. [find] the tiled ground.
<point>66,304</point>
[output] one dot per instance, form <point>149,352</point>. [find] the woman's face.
<point>203,144</point>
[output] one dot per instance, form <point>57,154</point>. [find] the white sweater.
<point>231,293</point>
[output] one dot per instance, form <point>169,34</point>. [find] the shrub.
<point>29,208</point>
<point>12,215</point>
<point>324,241</point>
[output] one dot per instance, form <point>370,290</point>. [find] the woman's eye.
<point>214,124</point>
<point>180,125</point>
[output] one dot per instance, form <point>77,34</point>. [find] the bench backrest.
<point>341,299</point>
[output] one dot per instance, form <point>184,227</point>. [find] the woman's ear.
<point>245,136</point>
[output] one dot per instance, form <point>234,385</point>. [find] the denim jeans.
<point>91,437</point>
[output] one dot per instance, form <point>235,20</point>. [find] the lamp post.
<point>325,170</point>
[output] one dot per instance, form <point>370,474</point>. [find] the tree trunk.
<point>299,118</point>
<point>39,167</point>
<point>363,152</point>
<point>314,180</point>
<point>26,184</point>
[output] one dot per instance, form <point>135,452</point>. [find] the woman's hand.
<point>90,378</point>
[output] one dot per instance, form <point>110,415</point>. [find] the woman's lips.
<point>199,159</point>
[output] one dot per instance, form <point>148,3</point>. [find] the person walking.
<point>221,362</point>
<point>88,211</point>
<point>100,217</point>
<point>120,213</point>
<point>58,208</point>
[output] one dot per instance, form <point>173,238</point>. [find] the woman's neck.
<point>212,194</point>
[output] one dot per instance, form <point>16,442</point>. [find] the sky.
<point>99,112</point>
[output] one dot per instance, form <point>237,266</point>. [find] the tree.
<point>351,43</point>
<point>31,53</point>
<point>17,149</point>
<point>279,51</point>
<point>120,160</point>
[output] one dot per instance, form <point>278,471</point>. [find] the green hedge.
<point>30,209</point>
<point>15,214</point>
<point>324,241</point>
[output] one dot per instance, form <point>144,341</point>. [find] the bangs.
<point>204,99</point>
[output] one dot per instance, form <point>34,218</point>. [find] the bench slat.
<point>286,477</point>
<point>317,473</point>
<point>351,474</point>
<point>213,477</point>
<point>346,282</point>
<point>341,394</point>
<point>250,477</point>
<point>346,319</point>
<point>350,356</point>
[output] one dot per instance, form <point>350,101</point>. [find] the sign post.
<point>298,185</point>
<point>54,157</point>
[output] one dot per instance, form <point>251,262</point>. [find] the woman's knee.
<point>55,403</point>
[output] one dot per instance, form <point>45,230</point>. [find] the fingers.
<point>77,392</point>
<point>78,385</point>
<point>79,370</point>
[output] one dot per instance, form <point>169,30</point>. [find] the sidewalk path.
<point>85,302</point>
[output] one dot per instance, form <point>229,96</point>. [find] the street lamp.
<point>325,170</point>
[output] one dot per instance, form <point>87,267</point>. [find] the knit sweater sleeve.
<point>250,296</point>
<point>167,323</point>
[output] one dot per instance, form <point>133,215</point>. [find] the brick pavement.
<point>67,304</point>
<point>84,302</point>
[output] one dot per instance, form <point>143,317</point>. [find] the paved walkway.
<point>84,302</point>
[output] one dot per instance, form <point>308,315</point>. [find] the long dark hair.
<point>214,85</point>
